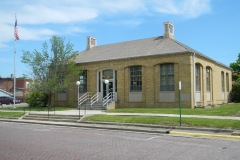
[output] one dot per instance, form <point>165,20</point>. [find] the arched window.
<point>223,82</point>
<point>83,81</point>
<point>167,77</point>
<point>198,77</point>
<point>208,79</point>
<point>227,82</point>
<point>135,78</point>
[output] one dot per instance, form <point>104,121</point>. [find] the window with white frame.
<point>83,81</point>
<point>135,79</point>
<point>167,77</point>
<point>223,82</point>
<point>198,77</point>
<point>208,82</point>
<point>227,82</point>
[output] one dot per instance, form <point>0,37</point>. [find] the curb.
<point>204,135</point>
<point>215,130</point>
<point>136,128</point>
<point>94,126</point>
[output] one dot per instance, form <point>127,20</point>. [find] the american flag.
<point>16,31</point>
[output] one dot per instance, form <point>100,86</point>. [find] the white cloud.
<point>38,19</point>
<point>121,6</point>
<point>6,32</point>
<point>35,34</point>
<point>40,14</point>
<point>2,45</point>
<point>76,29</point>
<point>130,23</point>
<point>7,35</point>
<point>196,8</point>
<point>185,8</point>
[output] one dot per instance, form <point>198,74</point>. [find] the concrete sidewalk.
<point>155,129</point>
<point>175,130</point>
<point>175,115</point>
<point>93,112</point>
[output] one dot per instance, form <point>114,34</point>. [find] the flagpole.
<point>14,74</point>
<point>14,78</point>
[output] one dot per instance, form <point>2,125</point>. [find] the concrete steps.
<point>96,106</point>
<point>51,117</point>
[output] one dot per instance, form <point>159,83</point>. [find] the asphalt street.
<point>20,141</point>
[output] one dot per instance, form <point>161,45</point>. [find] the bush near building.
<point>36,98</point>
<point>235,94</point>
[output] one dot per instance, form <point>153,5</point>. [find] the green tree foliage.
<point>236,68</point>
<point>54,69</point>
<point>235,93</point>
<point>37,99</point>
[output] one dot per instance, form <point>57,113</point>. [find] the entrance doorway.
<point>110,88</point>
<point>111,76</point>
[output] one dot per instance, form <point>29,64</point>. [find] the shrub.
<point>36,98</point>
<point>235,93</point>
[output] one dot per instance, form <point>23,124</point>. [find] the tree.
<point>236,68</point>
<point>235,93</point>
<point>53,70</point>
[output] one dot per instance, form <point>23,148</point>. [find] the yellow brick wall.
<point>216,84</point>
<point>183,71</point>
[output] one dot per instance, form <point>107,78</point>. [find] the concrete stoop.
<point>52,117</point>
<point>96,106</point>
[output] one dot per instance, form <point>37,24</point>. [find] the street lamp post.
<point>180,105</point>
<point>78,84</point>
<point>107,86</point>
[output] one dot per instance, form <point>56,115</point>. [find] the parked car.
<point>8,100</point>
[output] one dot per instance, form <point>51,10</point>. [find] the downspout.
<point>194,81</point>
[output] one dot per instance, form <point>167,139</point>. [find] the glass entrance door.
<point>110,88</point>
<point>110,75</point>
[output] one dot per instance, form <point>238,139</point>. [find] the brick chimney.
<point>168,30</point>
<point>91,42</point>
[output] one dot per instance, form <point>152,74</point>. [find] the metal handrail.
<point>109,98</point>
<point>83,99</point>
<point>95,98</point>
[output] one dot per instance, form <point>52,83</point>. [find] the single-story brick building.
<point>146,73</point>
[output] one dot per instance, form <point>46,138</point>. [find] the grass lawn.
<point>169,121</point>
<point>36,108</point>
<point>223,110</point>
<point>11,114</point>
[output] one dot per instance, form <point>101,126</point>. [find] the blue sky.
<point>211,27</point>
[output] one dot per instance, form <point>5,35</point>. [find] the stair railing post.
<point>78,83</point>
<point>85,110</point>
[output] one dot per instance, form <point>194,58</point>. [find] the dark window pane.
<point>223,83</point>
<point>83,81</point>
<point>197,77</point>
<point>167,77</point>
<point>135,79</point>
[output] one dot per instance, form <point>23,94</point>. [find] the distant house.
<point>146,73</point>
<point>5,94</point>
<point>22,85</point>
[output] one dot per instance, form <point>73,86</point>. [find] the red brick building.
<point>22,85</point>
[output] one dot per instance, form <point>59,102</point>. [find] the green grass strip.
<point>170,121</point>
<point>224,110</point>
<point>11,114</point>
